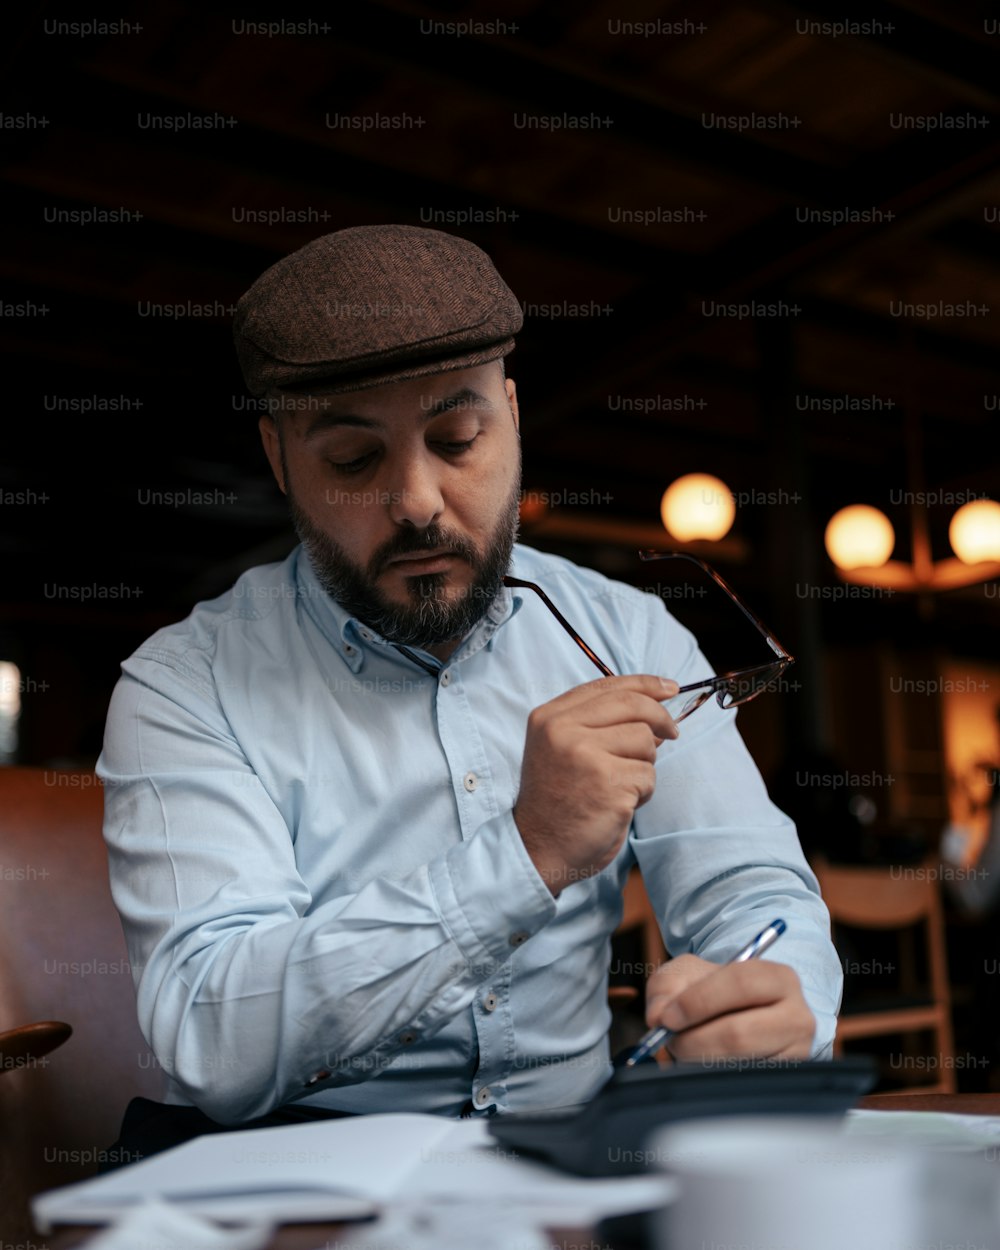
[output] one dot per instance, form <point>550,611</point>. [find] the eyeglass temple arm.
<point>721,680</point>
<point>752,617</point>
<point>590,654</point>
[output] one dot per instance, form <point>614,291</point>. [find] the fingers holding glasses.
<point>589,762</point>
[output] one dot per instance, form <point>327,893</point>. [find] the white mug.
<point>785,1183</point>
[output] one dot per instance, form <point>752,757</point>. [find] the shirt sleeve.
<point>718,859</point>
<point>245,990</point>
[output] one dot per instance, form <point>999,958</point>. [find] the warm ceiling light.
<point>859,537</point>
<point>975,531</point>
<point>698,506</point>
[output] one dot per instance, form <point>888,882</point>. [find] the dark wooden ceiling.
<point>706,160</point>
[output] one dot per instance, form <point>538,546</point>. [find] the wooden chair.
<point>880,898</point>
<point>626,1001</point>
<point>62,959</point>
<point>638,914</point>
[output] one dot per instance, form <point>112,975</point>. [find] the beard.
<point>429,616</point>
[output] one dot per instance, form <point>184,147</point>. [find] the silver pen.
<point>654,1039</point>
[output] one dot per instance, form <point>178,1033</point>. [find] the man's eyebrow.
<point>329,420</point>
<point>464,398</point>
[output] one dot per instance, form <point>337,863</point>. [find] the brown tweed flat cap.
<point>370,305</point>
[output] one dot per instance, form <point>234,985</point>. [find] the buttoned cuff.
<point>490,896</point>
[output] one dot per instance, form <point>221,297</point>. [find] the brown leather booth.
<point>62,958</point>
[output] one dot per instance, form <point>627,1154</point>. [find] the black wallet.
<point>607,1136</point>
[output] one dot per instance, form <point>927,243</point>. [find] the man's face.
<point>405,497</point>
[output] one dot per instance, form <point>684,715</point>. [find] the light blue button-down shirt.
<point>324,893</point>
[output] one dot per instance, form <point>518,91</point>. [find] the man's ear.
<point>511,389</point>
<point>272,448</point>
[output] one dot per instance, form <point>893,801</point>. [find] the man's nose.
<point>415,493</point>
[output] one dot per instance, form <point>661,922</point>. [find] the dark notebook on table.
<point>607,1136</point>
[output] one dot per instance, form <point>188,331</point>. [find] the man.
<point>369,815</point>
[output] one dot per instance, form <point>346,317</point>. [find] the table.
<point>311,1236</point>
<point>965,1104</point>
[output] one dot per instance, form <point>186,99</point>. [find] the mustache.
<point>433,538</point>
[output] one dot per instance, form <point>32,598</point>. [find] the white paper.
<point>420,1226</point>
<point>937,1130</point>
<point>169,1228</point>
<point>470,1165</point>
<point>345,1169</point>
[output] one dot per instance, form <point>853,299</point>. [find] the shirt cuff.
<point>490,896</point>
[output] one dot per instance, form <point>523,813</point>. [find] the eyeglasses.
<point>731,689</point>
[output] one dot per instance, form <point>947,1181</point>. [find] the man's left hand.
<point>753,1009</point>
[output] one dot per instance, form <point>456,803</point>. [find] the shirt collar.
<point>351,638</point>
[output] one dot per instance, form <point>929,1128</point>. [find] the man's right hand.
<point>589,762</point>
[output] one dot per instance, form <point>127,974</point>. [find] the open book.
<point>346,1169</point>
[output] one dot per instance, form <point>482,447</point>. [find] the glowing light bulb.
<point>859,537</point>
<point>698,506</point>
<point>974,531</point>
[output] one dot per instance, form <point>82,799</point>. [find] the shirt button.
<point>483,1097</point>
<point>407,1037</point>
<point>519,938</point>
<point>446,677</point>
<point>318,1076</point>
<point>470,781</point>
<point>490,1001</point>
<point>366,635</point>
<point>348,649</point>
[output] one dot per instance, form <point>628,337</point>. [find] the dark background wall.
<point>634,175</point>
